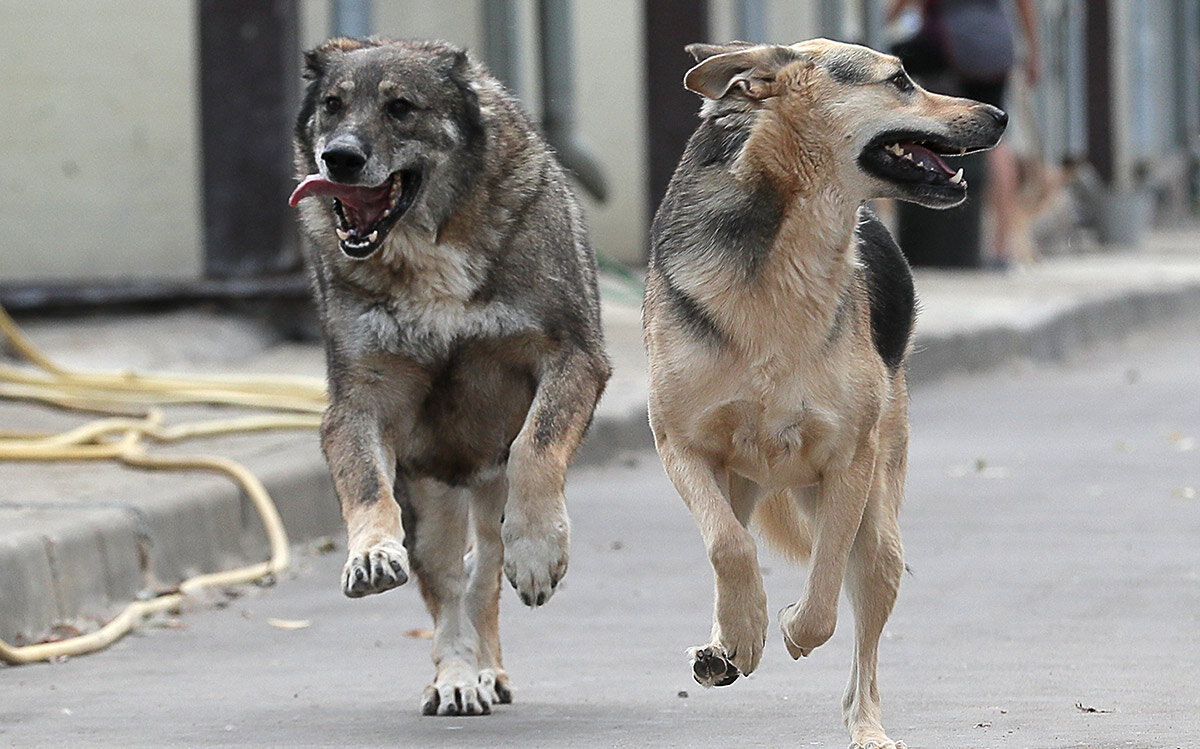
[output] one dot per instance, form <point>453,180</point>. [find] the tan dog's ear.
<point>701,52</point>
<point>748,73</point>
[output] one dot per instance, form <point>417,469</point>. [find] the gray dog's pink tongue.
<point>363,206</point>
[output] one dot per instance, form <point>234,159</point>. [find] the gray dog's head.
<point>388,132</point>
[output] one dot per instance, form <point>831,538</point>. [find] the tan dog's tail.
<point>782,526</point>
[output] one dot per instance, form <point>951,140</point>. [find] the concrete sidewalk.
<point>79,541</point>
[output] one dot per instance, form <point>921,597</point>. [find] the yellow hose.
<point>122,438</point>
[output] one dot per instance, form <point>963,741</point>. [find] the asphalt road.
<point>1053,532</point>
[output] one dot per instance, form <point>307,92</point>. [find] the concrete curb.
<point>1050,337</point>
<point>70,566</point>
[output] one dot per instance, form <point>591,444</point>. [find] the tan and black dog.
<point>457,296</point>
<point>778,317</point>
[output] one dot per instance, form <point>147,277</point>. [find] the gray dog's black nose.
<point>344,162</point>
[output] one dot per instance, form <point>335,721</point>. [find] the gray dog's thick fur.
<point>464,348</point>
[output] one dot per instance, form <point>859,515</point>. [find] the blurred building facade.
<point>101,160</point>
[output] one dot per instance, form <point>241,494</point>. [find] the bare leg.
<point>1002,192</point>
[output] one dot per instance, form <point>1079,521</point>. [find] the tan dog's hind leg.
<point>872,580</point>
<point>363,471</point>
<point>536,531</point>
<point>839,504</point>
<point>740,608</point>
<point>440,542</point>
<point>484,566</point>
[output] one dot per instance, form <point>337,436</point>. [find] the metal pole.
<point>558,97</point>
<point>1187,73</point>
<point>1098,44</point>
<point>1121,209</point>
<point>671,109</point>
<point>1120,113</point>
<point>873,24</point>
<point>351,18</point>
<point>1076,79</point>
<point>750,20</point>
<point>502,42</point>
<point>248,68</point>
<point>832,20</point>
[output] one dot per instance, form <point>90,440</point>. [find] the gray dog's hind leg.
<point>438,549</point>
<point>485,564</point>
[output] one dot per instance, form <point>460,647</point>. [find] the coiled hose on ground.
<point>131,424</point>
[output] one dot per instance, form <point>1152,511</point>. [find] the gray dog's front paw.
<point>535,557</point>
<point>377,569</point>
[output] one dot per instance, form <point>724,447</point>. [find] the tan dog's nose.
<point>997,114</point>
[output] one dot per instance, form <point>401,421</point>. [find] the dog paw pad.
<point>375,570</point>
<point>711,667</point>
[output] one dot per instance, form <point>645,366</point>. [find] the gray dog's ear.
<point>701,52</point>
<point>316,60</point>
<point>747,73</point>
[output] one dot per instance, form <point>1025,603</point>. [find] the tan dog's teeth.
<point>896,149</point>
<point>908,156</point>
<point>342,235</point>
<point>373,236</point>
<point>958,177</point>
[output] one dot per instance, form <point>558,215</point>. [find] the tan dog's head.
<point>852,110</point>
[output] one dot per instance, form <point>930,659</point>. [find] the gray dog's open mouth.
<point>364,214</point>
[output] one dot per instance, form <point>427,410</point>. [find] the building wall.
<point>99,162</point>
<point>98,167</point>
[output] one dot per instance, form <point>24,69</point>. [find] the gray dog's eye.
<point>398,108</point>
<point>333,104</point>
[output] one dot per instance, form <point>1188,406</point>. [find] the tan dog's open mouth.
<point>915,162</point>
<point>364,214</point>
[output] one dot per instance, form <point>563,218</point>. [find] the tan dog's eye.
<point>901,81</point>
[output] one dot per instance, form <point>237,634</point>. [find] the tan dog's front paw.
<point>535,557</point>
<point>376,569</point>
<point>877,744</point>
<point>806,627</point>
<point>711,666</point>
<point>742,623</point>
